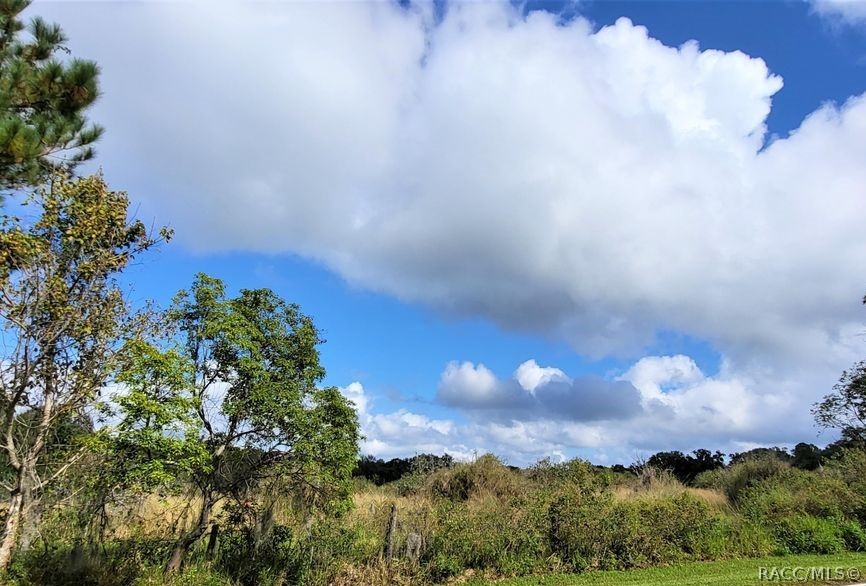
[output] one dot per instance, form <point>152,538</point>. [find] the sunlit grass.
<point>726,573</point>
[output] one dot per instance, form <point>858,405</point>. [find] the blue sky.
<point>454,193</point>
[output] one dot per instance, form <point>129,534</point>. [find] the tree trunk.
<point>20,503</point>
<point>31,514</point>
<point>11,528</point>
<point>212,541</point>
<point>185,543</point>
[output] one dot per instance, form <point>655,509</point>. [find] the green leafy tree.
<point>64,318</point>
<point>845,408</point>
<point>251,371</point>
<point>771,453</point>
<point>806,456</point>
<point>43,99</point>
<point>155,441</point>
<point>686,467</point>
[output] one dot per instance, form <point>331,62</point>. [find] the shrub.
<point>580,522</point>
<point>576,472</point>
<point>286,555</point>
<point>485,475</point>
<point>505,536</point>
<point>411,483</point>
<point>735,479</point>
<point>740,537</point>
<point>670,529</point>
<point>590,529</point>
<point>250,562</point>
<point>117,563</point>
<point>808,534</point>
<point>331,543</point>
<point>650,481</point>
<point>850,467</point>
<point>795,492</point>
<point>854,536</point>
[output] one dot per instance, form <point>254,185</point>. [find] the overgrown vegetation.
<point>480,518</point>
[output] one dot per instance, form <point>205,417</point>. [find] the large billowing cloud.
<point>597,186</point>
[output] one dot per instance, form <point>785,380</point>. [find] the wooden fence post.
<point>390,535</point>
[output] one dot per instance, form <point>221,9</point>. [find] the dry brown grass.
<point>485,475</point>
<point>151,515</point>
<point>376,574</point>
<point>415,514</point>
<point>658,484</point>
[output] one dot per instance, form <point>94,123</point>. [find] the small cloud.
<point>531,376</point>
<point>850,12</point>
<point>356,394</point>
<point>536,392</point>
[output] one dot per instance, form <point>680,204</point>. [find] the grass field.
<point>727,573</point>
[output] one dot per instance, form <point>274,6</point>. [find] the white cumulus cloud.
<point>531,376</point>
<point>596,186</point>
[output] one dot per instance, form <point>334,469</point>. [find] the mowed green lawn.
<point>727,573</point>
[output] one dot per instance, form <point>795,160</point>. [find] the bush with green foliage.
<point>506,536</point>
<point>809,534</point>
<point>793,492</point>
<point>849,465</point>
<point>251,560</point>
<point>485,475</point>
<point>594,530</point>
<point>735,479</point>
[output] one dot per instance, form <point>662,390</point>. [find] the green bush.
<point>581,521</point>
<point>410,483</point>
<point>741,537</point>
<point>736,479</point>
<point>116,563</point>
<point>273,559</point>
<point>670,529</point>
<point>850,467</point>
<point>591,529</point>
<point>505,536</point>
<point>333,542</point>
<point>545,474</point>
<point>486,475</point>
<point>808,534</point>
<point>794,492</point>
<point>854,536</point>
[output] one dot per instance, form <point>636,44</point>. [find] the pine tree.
<point>42,100</point>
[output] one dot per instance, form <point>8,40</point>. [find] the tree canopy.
<point>63,320</point>
<point>845,408</point>
<point>686,467</point>
<point>43,100</point>
<point>233,389</point>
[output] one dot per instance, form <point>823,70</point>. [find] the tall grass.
<point>475,519</point>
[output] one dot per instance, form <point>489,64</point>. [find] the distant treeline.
<point>685,467</point>
<point>381,472</point>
